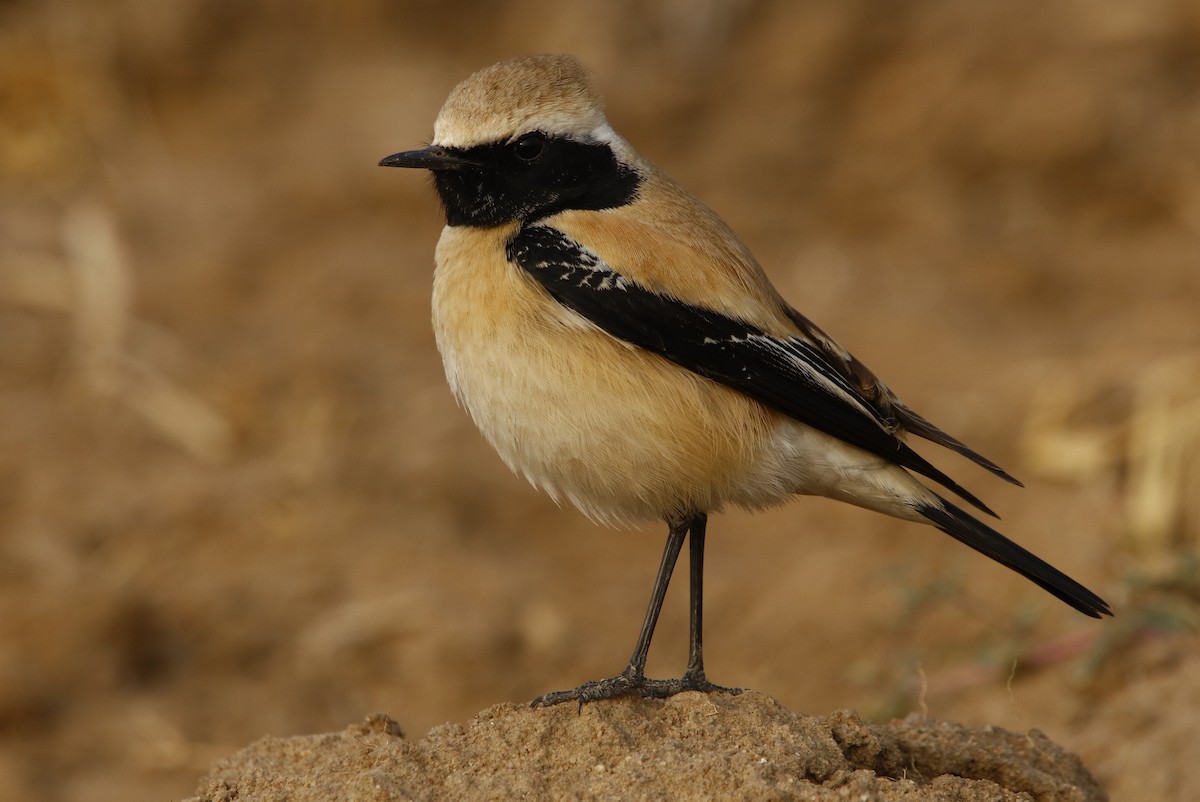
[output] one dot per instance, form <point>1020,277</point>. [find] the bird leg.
<point>633,679</point>
<point>694,679</point>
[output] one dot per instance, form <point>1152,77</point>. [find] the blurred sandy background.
<point>237,499</point>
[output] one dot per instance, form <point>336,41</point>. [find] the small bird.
<point>621,348</point>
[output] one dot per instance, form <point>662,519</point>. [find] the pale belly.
<point>618,432</point>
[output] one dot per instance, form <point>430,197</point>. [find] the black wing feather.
<point>789,375</point>
<point>881,400</point>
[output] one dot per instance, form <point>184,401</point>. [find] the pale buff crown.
<point>550,93</point>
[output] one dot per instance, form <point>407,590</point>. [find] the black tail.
<point>988,541</point>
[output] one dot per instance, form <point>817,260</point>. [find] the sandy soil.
<point>692,746</point>
<point>236,497</point>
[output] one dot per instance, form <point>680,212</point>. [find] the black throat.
<point>507,183</point>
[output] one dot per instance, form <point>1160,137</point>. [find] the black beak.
<point>433,157</point>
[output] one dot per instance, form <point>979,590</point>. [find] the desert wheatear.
<point>619,346</point>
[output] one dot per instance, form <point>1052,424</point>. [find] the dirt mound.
<point>691,746</point>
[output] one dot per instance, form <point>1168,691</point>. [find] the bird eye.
<point>529,147</point>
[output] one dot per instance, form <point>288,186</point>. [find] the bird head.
<point>522,140</point>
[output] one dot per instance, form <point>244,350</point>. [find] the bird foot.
<point>629,684</point>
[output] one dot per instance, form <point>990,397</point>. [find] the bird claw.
<point>632,685</point>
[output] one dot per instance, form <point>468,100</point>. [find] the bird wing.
<point>792,375</point>
<point>881,400</point>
